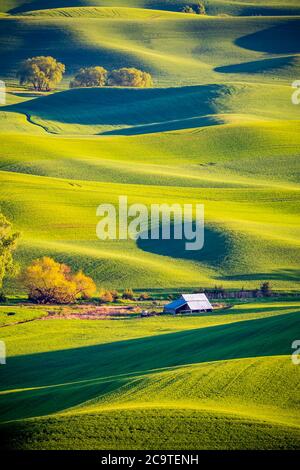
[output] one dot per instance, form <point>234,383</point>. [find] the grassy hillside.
<point>232,134</point>
<point>218,373</point>
<point>177,50</point>
<point>213,7</point>
<point>217,128</point>
<point>138,111</point>
<point>251,203</point>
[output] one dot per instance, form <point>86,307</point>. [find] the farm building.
<point>189,303</point>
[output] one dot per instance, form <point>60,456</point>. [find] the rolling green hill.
<point>213,7</point>
<point>177,50</point>
<point>111,110</point>
<point>216,373</point>
<point>218,128</point>
<point>219,164</point>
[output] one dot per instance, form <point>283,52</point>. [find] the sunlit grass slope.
<point>227,155</point>
<point>242,228</point>
<point>218,128</point>
<point>131,111</point>
<point>213,7</point>
<point>12,315</point>
<point>245,171</point>
<point>177,50</point>
<point>126,386</point>
<point>107,12</point>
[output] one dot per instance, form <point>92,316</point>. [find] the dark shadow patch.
<point>163,108</point>
<point>215,252</point>
<point>35,36</point>
<point>261,10</point>
<point>164,5</point>
<point>168,126</point>
<point>282,38</point>
<point>258,66</point>
<point>70,371</point>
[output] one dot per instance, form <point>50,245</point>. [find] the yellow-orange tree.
<point>48,281</point>
<point>130,77</point>
<point>89,77</point>
<point>43,72</point>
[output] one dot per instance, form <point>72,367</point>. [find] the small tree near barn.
<point>128,294</point>
<point>48,281</point>
<point>106,297</point>
<point>265,289</point>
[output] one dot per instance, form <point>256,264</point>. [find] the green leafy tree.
<point>8,244</point>
<point>200,290</point>
<point>89,77</point>
<point>265,289</point>
<point>128,294</point>
<point>255,292</point>
<point>130,77</point>
<point>200,10</point>
<point>43,73</point>
<point>188,9</point>
<point>219,291</point>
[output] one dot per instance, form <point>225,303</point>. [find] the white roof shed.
<point>189,303</point>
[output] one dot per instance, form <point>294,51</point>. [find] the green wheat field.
<point>217,128</point>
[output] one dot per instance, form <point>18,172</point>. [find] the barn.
<point>189,303</point>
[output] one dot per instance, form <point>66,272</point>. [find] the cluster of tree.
<point>44,73</point>
<point>199,9</point>
<point>109,296</point>
<point>265,290</point>
<point>123,77</point>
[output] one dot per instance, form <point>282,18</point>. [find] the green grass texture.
<point>219,380</point>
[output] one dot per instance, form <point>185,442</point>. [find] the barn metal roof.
<point>193,301</point>
<point>194,297</point>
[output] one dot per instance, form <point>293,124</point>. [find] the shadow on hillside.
<point>75,374</point>
<point>37,94</point>
<point>258,66</point>
<point>283,38</point>
<point>160,108</point>
<point>276,10</point>
<point>216,249</point>
<point>32,37</point>
<point>42,5</point>
<point>176,125</point>
<point>169,5</point>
